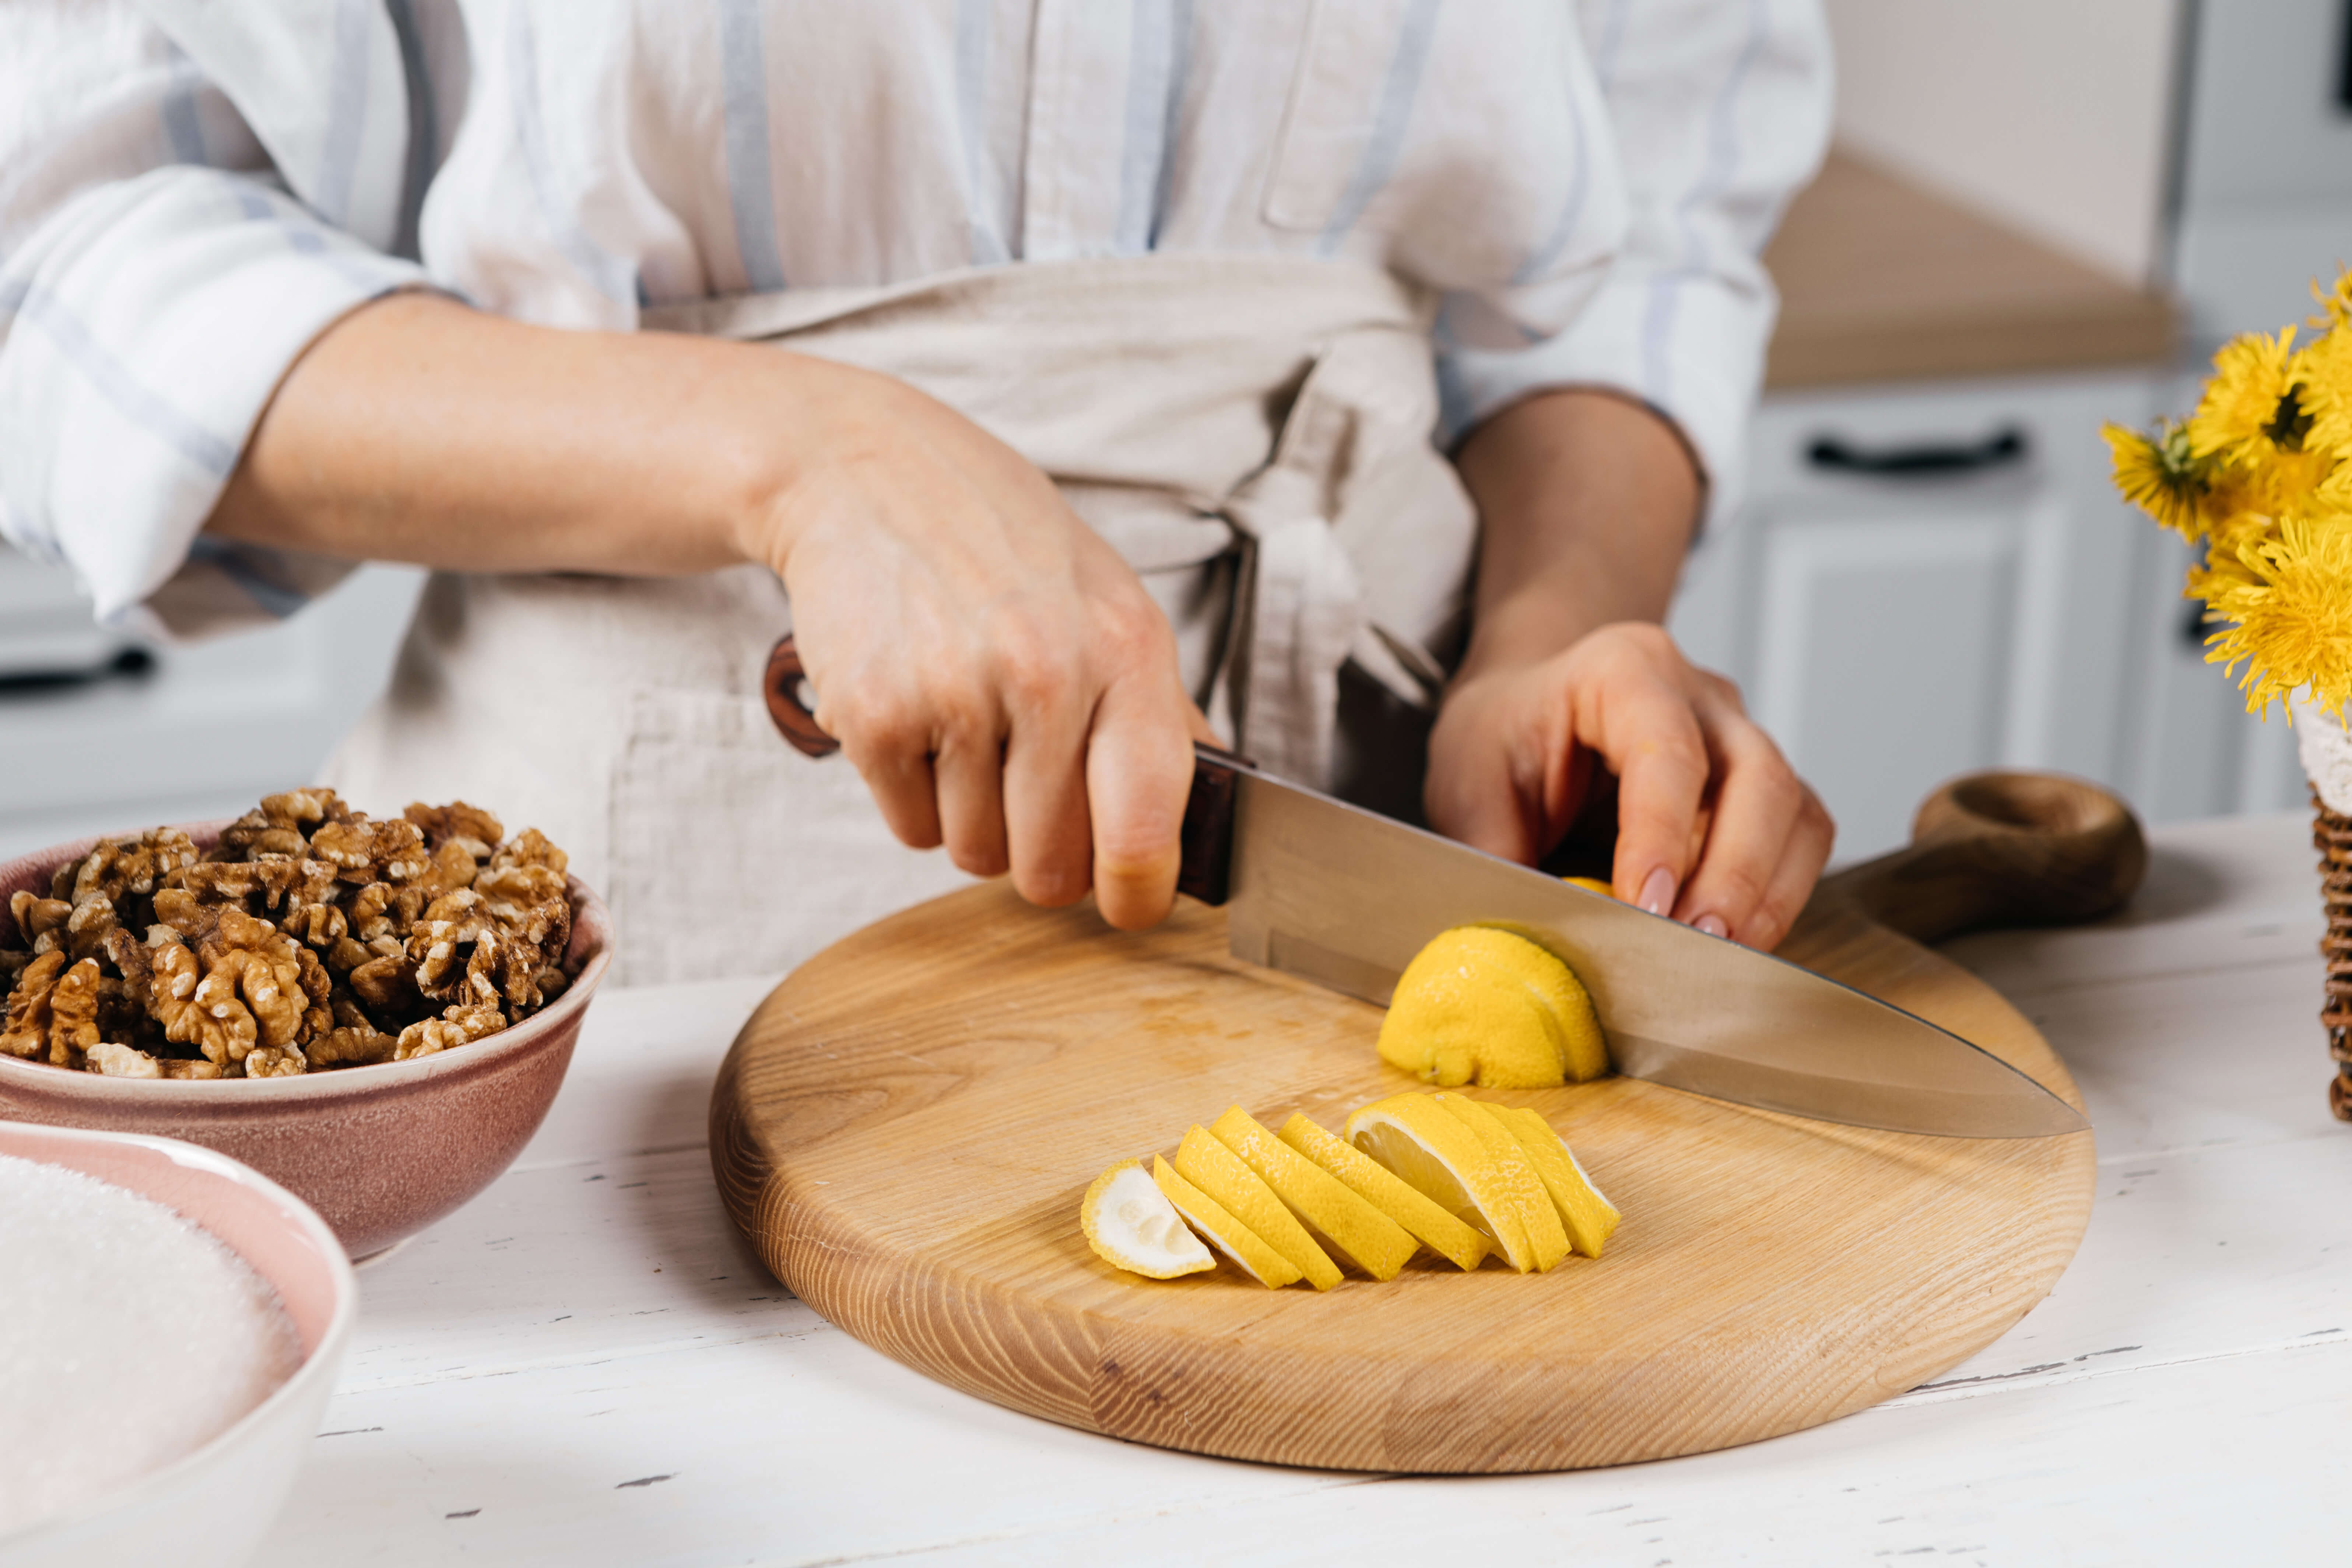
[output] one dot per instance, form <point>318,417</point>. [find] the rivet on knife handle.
<point>1206,873</point>
<point>785,686</point>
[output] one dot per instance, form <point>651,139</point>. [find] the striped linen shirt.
<point>191,190</point>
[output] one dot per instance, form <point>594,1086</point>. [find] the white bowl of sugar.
<point>175,1323</point>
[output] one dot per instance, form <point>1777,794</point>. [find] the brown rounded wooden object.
<point>905,1127</point>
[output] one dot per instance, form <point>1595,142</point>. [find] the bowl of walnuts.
<point>373,1013</point>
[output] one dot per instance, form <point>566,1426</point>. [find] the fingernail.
<point>1658,893</point>
<point>1711,924</point>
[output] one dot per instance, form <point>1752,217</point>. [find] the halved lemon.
<point>1480,1005</point>
<point>1385,1191</point>
<point>1439,1156</point>
<point>1220,1173</point>
<point>1130,1222</point>
<point>1589,1217</point>
<point>1547,1237</point>
<point>1336,1219</point>
<point>1248,1251</point>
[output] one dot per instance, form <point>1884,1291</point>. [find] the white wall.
<point>2051,114</point>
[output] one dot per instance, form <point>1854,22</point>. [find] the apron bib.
<point>1254,434</point>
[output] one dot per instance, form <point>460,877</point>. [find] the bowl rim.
<point>322,1360</point>
<point>588,910</point>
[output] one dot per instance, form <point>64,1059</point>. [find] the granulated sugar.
<point>128,1337</point>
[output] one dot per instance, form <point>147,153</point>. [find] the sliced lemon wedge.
<point>1375,1184</point>
<point>1343,1223</point>
<point>1217,1171</point>
<point>1589,1217</point>
<point>1485,1005</point>
<point>1130,1222</point>
<point>1248,1251</point>
<point>1547,1237</point>
<point>1436,1154</point>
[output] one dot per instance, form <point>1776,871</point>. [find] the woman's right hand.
<point>992,669</point>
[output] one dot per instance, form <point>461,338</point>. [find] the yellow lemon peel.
<point>1220,1173</point>
<point>1130,1224</point>
<point>1591,1219</point>
<point>1342,1223</point>
<point>1439,1156</point>
<point>1591,885</point>
<point>1547,1237</point>
<point>1447,1237</point>
<point>1245,1248</point>
<point>1484,1006</point>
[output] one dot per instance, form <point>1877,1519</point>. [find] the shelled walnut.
<point>309,936</point>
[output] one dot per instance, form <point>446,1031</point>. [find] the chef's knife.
<point>1344,897</point>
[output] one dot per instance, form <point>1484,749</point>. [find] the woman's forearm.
<point>418,430</point>
<point>1585,503</point>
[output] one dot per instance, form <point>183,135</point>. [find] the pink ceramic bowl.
<point>381,1152</point>
<point>209,1508</point>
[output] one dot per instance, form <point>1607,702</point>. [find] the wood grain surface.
<point>1882,280</point>
<point>904,1129</point>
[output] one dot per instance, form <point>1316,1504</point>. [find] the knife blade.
<point>1343,896</point>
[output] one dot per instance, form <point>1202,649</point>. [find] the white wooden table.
<point>585,1365</point>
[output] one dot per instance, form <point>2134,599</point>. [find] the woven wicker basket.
<point>2331,834</point>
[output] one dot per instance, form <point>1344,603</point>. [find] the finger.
<point>1792,880</point>
<point>900,780</point>
<point>1139,775</point>
<point>1480,798</point>
<point>1652,742</point>
<point>1756,805</point>
<point>969,769</point>
<point>1048,840</point>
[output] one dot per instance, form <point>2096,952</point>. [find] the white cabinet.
<point>1928,580</point>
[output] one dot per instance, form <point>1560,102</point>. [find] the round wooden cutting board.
<point>904,1128</point>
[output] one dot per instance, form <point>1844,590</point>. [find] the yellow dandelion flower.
<point>2323,369</point>
<point>2161,479</point>
<point>2283,482</point>
<point>2293,614</point>
<point>2248,413</point>
<point>2335,303</point>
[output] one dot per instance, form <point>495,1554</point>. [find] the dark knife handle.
<point>1206,873</point>
<point>788,707</point>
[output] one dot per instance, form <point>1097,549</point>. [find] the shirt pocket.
<point>1344,95</point>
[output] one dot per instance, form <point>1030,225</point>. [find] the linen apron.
<point>1254,434</point>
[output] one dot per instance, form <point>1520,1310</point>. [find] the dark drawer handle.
<point>1928,458</point>
<point>133,663</point>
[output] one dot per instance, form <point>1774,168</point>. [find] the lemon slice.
<point>1130,1222</point>
<point>1244,1247</point>
<point>1589,1217</point>
<point>1591,885</point>
<point>1547,1237</point>
<point>1342,1222</point>
<point>1438,1156</point>
<point>1487,1006</point>
<point>1385,1191</point>
<point>1220,1173</point>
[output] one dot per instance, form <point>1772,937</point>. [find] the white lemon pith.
<point>1338,1220</point>
<point>1131,1223</point>
<point>1479,1005</point>
<point>1443,1234</point>
<point>1589,1217</point>
<point>1547,1237</point>
<point>1244,1247</point>
<point>1220,1173</point>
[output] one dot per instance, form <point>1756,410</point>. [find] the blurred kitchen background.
<point>2039,215</point>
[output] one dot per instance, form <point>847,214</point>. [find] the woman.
<point>1071,379</point>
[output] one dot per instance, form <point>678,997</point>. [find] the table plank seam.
<point>2056,1375</point>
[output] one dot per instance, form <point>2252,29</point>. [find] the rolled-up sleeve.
<point>1720,111</point>
<point>150,299</point>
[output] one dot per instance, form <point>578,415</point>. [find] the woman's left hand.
<point>1714,828</point>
